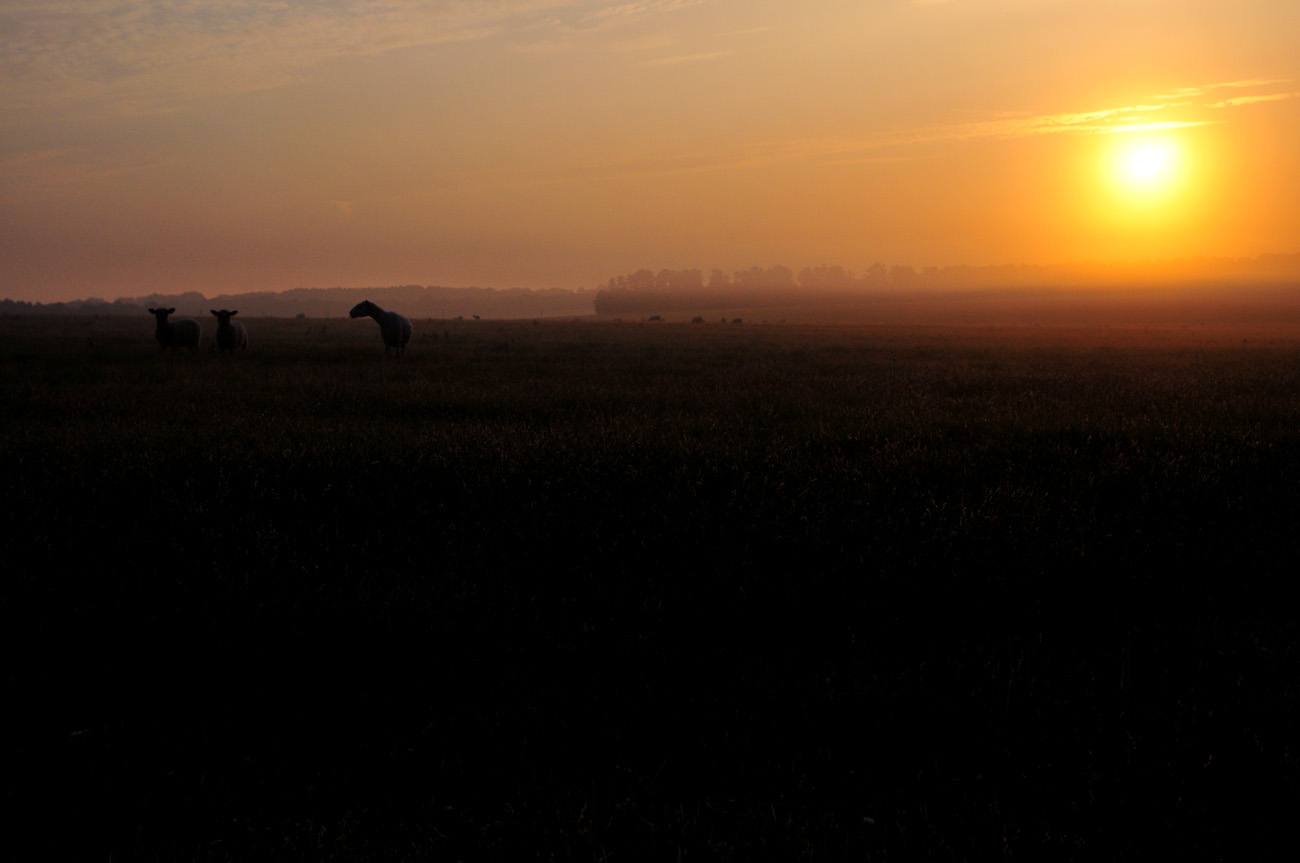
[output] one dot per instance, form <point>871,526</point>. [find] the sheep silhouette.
<point>184,333</point>
<point>231,335</point>
<point>394,327</point>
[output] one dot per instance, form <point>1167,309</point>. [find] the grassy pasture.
<point>589,589</point>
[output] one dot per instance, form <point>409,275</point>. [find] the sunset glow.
<point>554,143</point>
<point>1149,163</point>
<point>1148,170</point>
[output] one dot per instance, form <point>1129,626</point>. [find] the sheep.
<point>231,335</point>
<point>394,327</point>
<point>184,333</point>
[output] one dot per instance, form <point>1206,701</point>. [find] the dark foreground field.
<point>598,590</point>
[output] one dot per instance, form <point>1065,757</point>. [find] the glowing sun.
<point>1147,161</point>
<point>1148,168</point>
<point>1147,182</point>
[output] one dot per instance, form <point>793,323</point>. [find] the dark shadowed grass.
<point>599,589</point>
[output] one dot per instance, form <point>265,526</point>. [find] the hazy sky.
<point>236,145</point>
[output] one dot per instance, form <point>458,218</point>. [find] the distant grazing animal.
<point>231,335</point>
<point>175,334</point>
<point>394,327</point>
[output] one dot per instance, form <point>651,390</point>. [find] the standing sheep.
<point>175,334</point>
<point>231,335</point>
<point>394,327</point>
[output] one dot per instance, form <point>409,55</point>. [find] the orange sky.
<point>175,145</point>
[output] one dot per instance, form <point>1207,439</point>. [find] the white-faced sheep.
<point>184,333</point>
<point>231,335</point>
<point>394,327</point>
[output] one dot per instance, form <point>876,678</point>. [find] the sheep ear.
<point>235,312</point>
<point>214,311</point>
<point>171,311</point>
<point>150,311</point>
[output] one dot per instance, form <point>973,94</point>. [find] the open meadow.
<point>589,589</point>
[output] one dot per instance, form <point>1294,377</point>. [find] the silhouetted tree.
<point>641,280</point>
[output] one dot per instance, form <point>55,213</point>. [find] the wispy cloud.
<point>143,56</point>
<point>1104,122</point>
<point>139,56</point>
<point>1251,100</point>
<point>639,8</point>
<point>1205,89</point>
<point>1186,105</point>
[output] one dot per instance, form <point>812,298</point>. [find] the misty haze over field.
<point>1174,292</point>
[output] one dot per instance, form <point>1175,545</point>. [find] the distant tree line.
<point>413,300</point>
<point>673,290</point>
<point>92,306</point>
<point>646,291</point>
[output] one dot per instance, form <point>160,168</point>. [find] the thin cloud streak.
<point>1203,89</point>
<point>1105,121</point>
<point>1252,100</point>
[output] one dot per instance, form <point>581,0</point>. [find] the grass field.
<point>589,590</point>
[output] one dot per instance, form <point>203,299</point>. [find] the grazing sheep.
<point>231,335</point>
<point>394,327</point>
<point>176,334</point>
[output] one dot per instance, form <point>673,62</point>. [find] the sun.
<point>1147,170</point>
<point>1147,162</point>
<point>1144,190</point>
